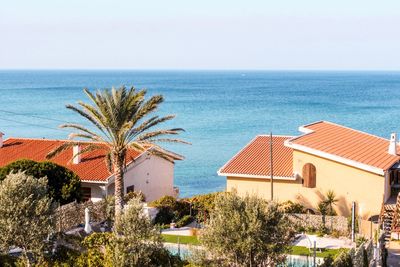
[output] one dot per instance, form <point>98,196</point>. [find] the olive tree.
<point>137,241</point>
<point>246,231</point>
<point>25,209</point>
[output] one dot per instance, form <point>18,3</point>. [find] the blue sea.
<point>221,111</point>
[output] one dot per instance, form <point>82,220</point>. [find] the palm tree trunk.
<point>118,166</point>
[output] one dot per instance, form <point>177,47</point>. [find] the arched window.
<point>309,176</point>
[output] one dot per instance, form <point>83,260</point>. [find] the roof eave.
<point>254,176</point>
<point>336,158</point>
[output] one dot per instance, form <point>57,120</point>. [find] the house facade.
<point>145,172</point>
<point>356,166</point>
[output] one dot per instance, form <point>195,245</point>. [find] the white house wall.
<point>97,190</point>
<point>152,175</point>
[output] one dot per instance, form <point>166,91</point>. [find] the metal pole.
<point>179,247</point>
<point>315,254</point>
<point>353,218</point>
<point>271,167</point>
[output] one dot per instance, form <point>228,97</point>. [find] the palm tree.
<point>331,201</point>
<point>120,118</point>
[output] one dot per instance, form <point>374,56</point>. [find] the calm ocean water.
<point>221,111</point>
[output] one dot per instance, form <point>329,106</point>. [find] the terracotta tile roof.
<point>91,168</point>
<point>345,143</point>
<point>254,159</point>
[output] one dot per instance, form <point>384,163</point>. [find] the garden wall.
<point>73,214</point>
<point>306,221</point>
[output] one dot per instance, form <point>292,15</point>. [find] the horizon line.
<point>199,69</point>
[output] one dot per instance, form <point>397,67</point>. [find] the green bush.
<point>360,240</point>
<point>290,207</point>
<point>343,259</point>
<point>170,209</point>
<point>164,216</point>
<point>203,205</point>
<point>134,194</point>
<point>64,257</point>
<point>185,220</point>
<point>8,261</point>
<point>64,186</point>
<point>98,250</point>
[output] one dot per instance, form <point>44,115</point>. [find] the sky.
<point>206,34</point>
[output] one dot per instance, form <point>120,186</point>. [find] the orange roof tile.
<point>91,168</point>
<point>254,159</point>
<point>347,144</point>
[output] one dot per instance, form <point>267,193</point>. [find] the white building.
<point>145,172</point>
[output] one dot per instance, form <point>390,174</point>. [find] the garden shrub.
<point>64,186</point>
<point>7,260</point>
<point>343,259</point>
<point>290,207</point>
<point>98,250</point>
<point>134,194</point>
<point>64,257</point>
<point>164,216</point>
<point>170,209</point>
<point>185,220</point>
<point>203,205</point>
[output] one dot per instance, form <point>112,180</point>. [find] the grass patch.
<point>190,240</point>
<point>304,251</point>
<point>295,250</point>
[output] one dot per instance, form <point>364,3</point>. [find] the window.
<point>130,188</point>
<point>86,193</point>
<point>309,176</point>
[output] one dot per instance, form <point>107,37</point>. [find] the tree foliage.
<point>170,209</point>
<point>121,120</point>
<point>246,231</point>
<point>64,186</point>
<point>25,209</point>
<point>202,205</point>
<point>178,210</point>
<point>137,241</point>
<point>331,200</point>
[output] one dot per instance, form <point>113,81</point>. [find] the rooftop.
<point>345,145</point>
<point>91,168</point>
<point>254,159</point>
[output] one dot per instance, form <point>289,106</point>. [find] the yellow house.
<point>357,166</point>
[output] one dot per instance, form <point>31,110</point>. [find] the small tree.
<point>323,210</point>
<point>330,200</point>
<point>137,242</point>
<point>25,219</point>
<point>246,231</point>
<point>64,186</point>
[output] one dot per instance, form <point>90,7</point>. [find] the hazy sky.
<point>202,34</point>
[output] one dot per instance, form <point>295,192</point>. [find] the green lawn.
<point>296,250</point>
<point>191,240</point>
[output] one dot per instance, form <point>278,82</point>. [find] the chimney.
<point>1,139</point>
<point>393,144</point>
<point>75,153</point>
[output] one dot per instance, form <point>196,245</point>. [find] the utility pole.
<point>271,167</point>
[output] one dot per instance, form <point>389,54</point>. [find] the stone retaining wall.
<point>337,223</point>
<point>73,214</point>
